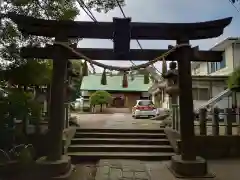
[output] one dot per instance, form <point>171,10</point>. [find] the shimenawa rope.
<point>117,68</point>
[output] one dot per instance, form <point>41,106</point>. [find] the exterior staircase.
<point>215,99</point>
<point>139,144</point>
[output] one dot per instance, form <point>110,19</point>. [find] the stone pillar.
<point>56,165</point>
<point>56,121</point>
<point>186,103</point>
<point>186,164</point>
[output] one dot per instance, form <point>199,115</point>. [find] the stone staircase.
<point>139,144</point>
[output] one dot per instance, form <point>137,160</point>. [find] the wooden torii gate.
<point>122,31</point>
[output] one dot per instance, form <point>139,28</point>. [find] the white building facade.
<point>209,79</point>
<point>230,60</point>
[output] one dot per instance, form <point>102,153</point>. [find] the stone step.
<point>119,141</point>
<point>119,135</point>
<point>121,130</point>
<point>119,148</point>
<point>77,157</point>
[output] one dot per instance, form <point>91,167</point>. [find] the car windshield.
<point>145,103</point>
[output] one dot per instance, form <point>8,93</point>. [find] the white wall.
<point>232,56</point>
<point>236,55</point>
<point>216,89</point>
<point>202,69</point>
<point>229,63</point>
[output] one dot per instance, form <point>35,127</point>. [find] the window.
<point>215,66</point>
<point>200,94</point>
<point>145,103</point>
<point>223,62</point>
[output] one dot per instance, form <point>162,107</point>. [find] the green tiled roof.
<point>114,83</point>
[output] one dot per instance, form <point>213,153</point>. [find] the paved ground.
<point>143,170</point>
<point>140,170</point>
<point>117,120</point>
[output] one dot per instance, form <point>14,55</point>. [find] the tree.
<point>31,73</point>
<point>234,80</point>
<point>11,40</point>
<point>24,72</point>
<point>77,66</point>
<point>100,98</point>
<point>20,105</point>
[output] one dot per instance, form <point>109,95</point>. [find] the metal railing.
<point>215,99</point>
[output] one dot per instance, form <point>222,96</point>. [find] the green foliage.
<point>77,66</point>
<point>46,9</point>
<point>100,97</point>
<point>125,80</point>
<point>234,79</point>
<point>29,73</point>
<point>25,156</point>
<point>146,78</point>
<point>15,104</point>
<point>11,39</point>
<point>11,106</point>
<point>104,78</point>
<point>20,105</point>
<point>104,5</point>
<point>34,72</point>
<point>77,81</point>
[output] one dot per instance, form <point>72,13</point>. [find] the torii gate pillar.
<point>56,162</point>
<point>187,164</point>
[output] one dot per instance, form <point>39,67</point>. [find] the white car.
<point>144,108</point>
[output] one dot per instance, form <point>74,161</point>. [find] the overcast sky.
<point>168,11</point>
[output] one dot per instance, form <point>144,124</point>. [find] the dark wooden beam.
<point>104,30</point>
<point>108,54</point>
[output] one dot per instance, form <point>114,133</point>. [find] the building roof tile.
<point>92,82</point>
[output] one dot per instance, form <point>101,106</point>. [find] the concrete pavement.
<point>116,121</point>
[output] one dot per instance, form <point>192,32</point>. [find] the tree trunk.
<point>101,108</point>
